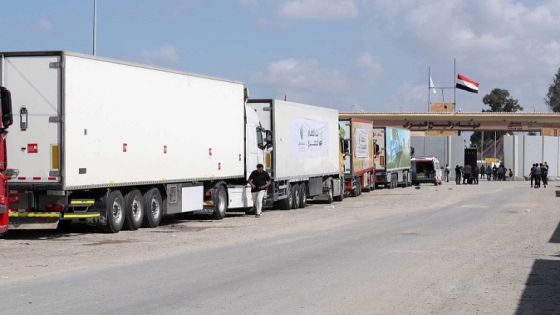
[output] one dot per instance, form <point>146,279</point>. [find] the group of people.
<point>499,173</point>
<point>539,173</point>
<point>471,173</point>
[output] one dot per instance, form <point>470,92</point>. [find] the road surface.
<point>492,248</point>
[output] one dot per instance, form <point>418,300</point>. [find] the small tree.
<point>552,98</point>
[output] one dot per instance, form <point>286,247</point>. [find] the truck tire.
<point>330,196</point>
<point>341,196</point>
<point>133,209</point>
<point>114,204</point>
<point>359,187</point>
<point>302,196</point>
<point>153,208</point>
<point>367,188</point>
<point>354,192</point>
<point>296,196</point>
<point>220,203</point>
<point>63,225</point>
<point>286,203</point>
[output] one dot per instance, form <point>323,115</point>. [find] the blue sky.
<point>368,55</point>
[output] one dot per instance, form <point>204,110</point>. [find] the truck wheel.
<point>367,188</point>
<point>295,195</point>
<point>302,196</point>
<point>153,206</point>
<point>220,203</point>
<point>341,196</point>
<point>359,187</point>
<point>286,203</point>
<point>115,211</point>
<point>330,196</point>
<point>134,210</point>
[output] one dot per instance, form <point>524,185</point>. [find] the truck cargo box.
<point>87,122</point>
<point>305,138</point>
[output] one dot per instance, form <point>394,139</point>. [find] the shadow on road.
<point>555,238</point>
<point>542,289</point>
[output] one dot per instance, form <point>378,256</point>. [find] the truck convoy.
<point>121,145</point>
<point>5,122</point>
<point>392,156</point>
<point>359,172</point>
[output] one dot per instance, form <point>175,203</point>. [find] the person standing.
<point>259,181</point>
<point>467,174</point>
<point>488,172</point>
<point>457,175</point>
<point>538,174</point>
<point>544,174</point>
<point>475,171</point>
<point>447,172</point>
<point>482,171</point>
<point>532,175</point>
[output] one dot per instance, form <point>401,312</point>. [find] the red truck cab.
<point>5,122</point>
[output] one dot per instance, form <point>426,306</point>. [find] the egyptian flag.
<point>466,83</point>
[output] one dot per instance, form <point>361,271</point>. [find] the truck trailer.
<point>392,156</point>
<point>359,171</point>
<point>301,152</point>
<point>121,145</point>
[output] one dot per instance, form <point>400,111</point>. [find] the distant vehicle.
<point>392,156</point>
<point>357,140</point>
<point>426,170</point>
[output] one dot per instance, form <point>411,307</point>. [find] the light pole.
<point>94,25</point>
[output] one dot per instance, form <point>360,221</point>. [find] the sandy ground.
<point>491,248</point>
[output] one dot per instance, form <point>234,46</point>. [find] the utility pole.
<point>94,25</point>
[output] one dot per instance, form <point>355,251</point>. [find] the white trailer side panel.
<point>306,140</point>
<point>127,124</point>
<point>35,88</point>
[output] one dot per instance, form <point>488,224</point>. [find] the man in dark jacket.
<point>457,174</point>
<point>467,173</point>
<point>259,181</point>
<point>475,171</point>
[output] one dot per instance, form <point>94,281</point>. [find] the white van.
<point>426,170</point>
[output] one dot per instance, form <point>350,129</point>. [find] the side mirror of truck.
<point>268,138</point>
<point>346,143</point>
<point>6,100</point>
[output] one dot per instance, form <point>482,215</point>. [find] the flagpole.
<point>429,90</point>
<point>454,83</point>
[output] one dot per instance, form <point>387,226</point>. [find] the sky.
<point>353,55</point>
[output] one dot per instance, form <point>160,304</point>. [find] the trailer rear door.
<point>34,143</point>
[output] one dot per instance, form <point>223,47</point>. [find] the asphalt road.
<point>493,249</point>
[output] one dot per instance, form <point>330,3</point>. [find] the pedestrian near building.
<point>457,175</point>
<point>482,171</point>
<point>532,175</point>
<point>538,174</point>
<point>488,172</point>
<point>475,171</point>
<point>467,170</point>
<point>259,181</point>
<point>544,175</point>
<point>447,172</point>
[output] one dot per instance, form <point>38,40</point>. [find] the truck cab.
<point>5,122</point>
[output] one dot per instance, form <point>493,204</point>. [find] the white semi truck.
<point>122,145</point>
